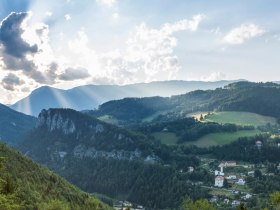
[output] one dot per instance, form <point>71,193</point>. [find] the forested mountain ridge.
<point>260,98</point>
<point>91,96</point>
<point>13,125</point>
<point>24,185</point>
<point>71,132</point>
<point>103,158</point>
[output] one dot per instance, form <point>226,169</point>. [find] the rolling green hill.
<point>24,185</point>
<point>240,118</point>
<point>259,98</point>
<point>191,130</point>
<point>215,139</point>
<point>212,139</point>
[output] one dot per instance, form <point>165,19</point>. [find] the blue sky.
<point>65,43</point>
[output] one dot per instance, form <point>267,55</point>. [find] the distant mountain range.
<point>91,96</point>
<point>13,124</point>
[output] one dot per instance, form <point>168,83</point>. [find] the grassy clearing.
<point>152,117</point>
<point>167,138</point>
<point>221,192</point>
<point>238,118</point>
<point>215,139</point>
<point>212,139</point>
<point>108,119</point>
<point>197,115</point>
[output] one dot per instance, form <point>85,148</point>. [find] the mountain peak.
<point>55,120</point>
<point>68,121</point>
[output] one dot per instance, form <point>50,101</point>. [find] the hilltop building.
<point>227,164</point>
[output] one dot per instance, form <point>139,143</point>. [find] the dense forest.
<point>102,158</point>
<point>24,185</point>
<point>154,186</point>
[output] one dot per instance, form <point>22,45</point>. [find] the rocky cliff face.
<point>73,134</point>
<point>55,121</point>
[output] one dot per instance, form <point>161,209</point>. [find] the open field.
<point>239,118</point>
<point>212,139</point>
<point>221,192</point>
<point>215,139</point>
<point>108,119</point>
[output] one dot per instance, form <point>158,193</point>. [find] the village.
<point>230,186</point>
<point>126,205</point>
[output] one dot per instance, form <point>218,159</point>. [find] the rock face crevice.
<point>81,151</point>
<point>55,121</point>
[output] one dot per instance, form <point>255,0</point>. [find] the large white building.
<point>219,181</point>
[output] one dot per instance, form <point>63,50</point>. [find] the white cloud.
<point>184,24</point>
<point>48,13</point>
<point>214,76</point>
<point>243,33</point>
<point>108,3</point>
<point>67,17</point>
<point>148,55</point>
<point>116,16</point>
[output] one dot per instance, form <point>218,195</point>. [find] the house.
<point>190,169</point>
<point>236,192</point>
<point>231,177</point>
<point>240,182</point>
<point>258,144</point>
<point>219,181</point>
<point>227,164</point>
<point>235,203</point>
<point>226,201</point>
<point>214,199</point>
<point>247,196</point>
<point>251,173</point>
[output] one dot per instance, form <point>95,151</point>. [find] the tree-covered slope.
<point>260,98</point>
<point>24,185</point>
<point>102,158</point>
<point>13,125</point>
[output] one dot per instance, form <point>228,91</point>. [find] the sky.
<point>68,43</point>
